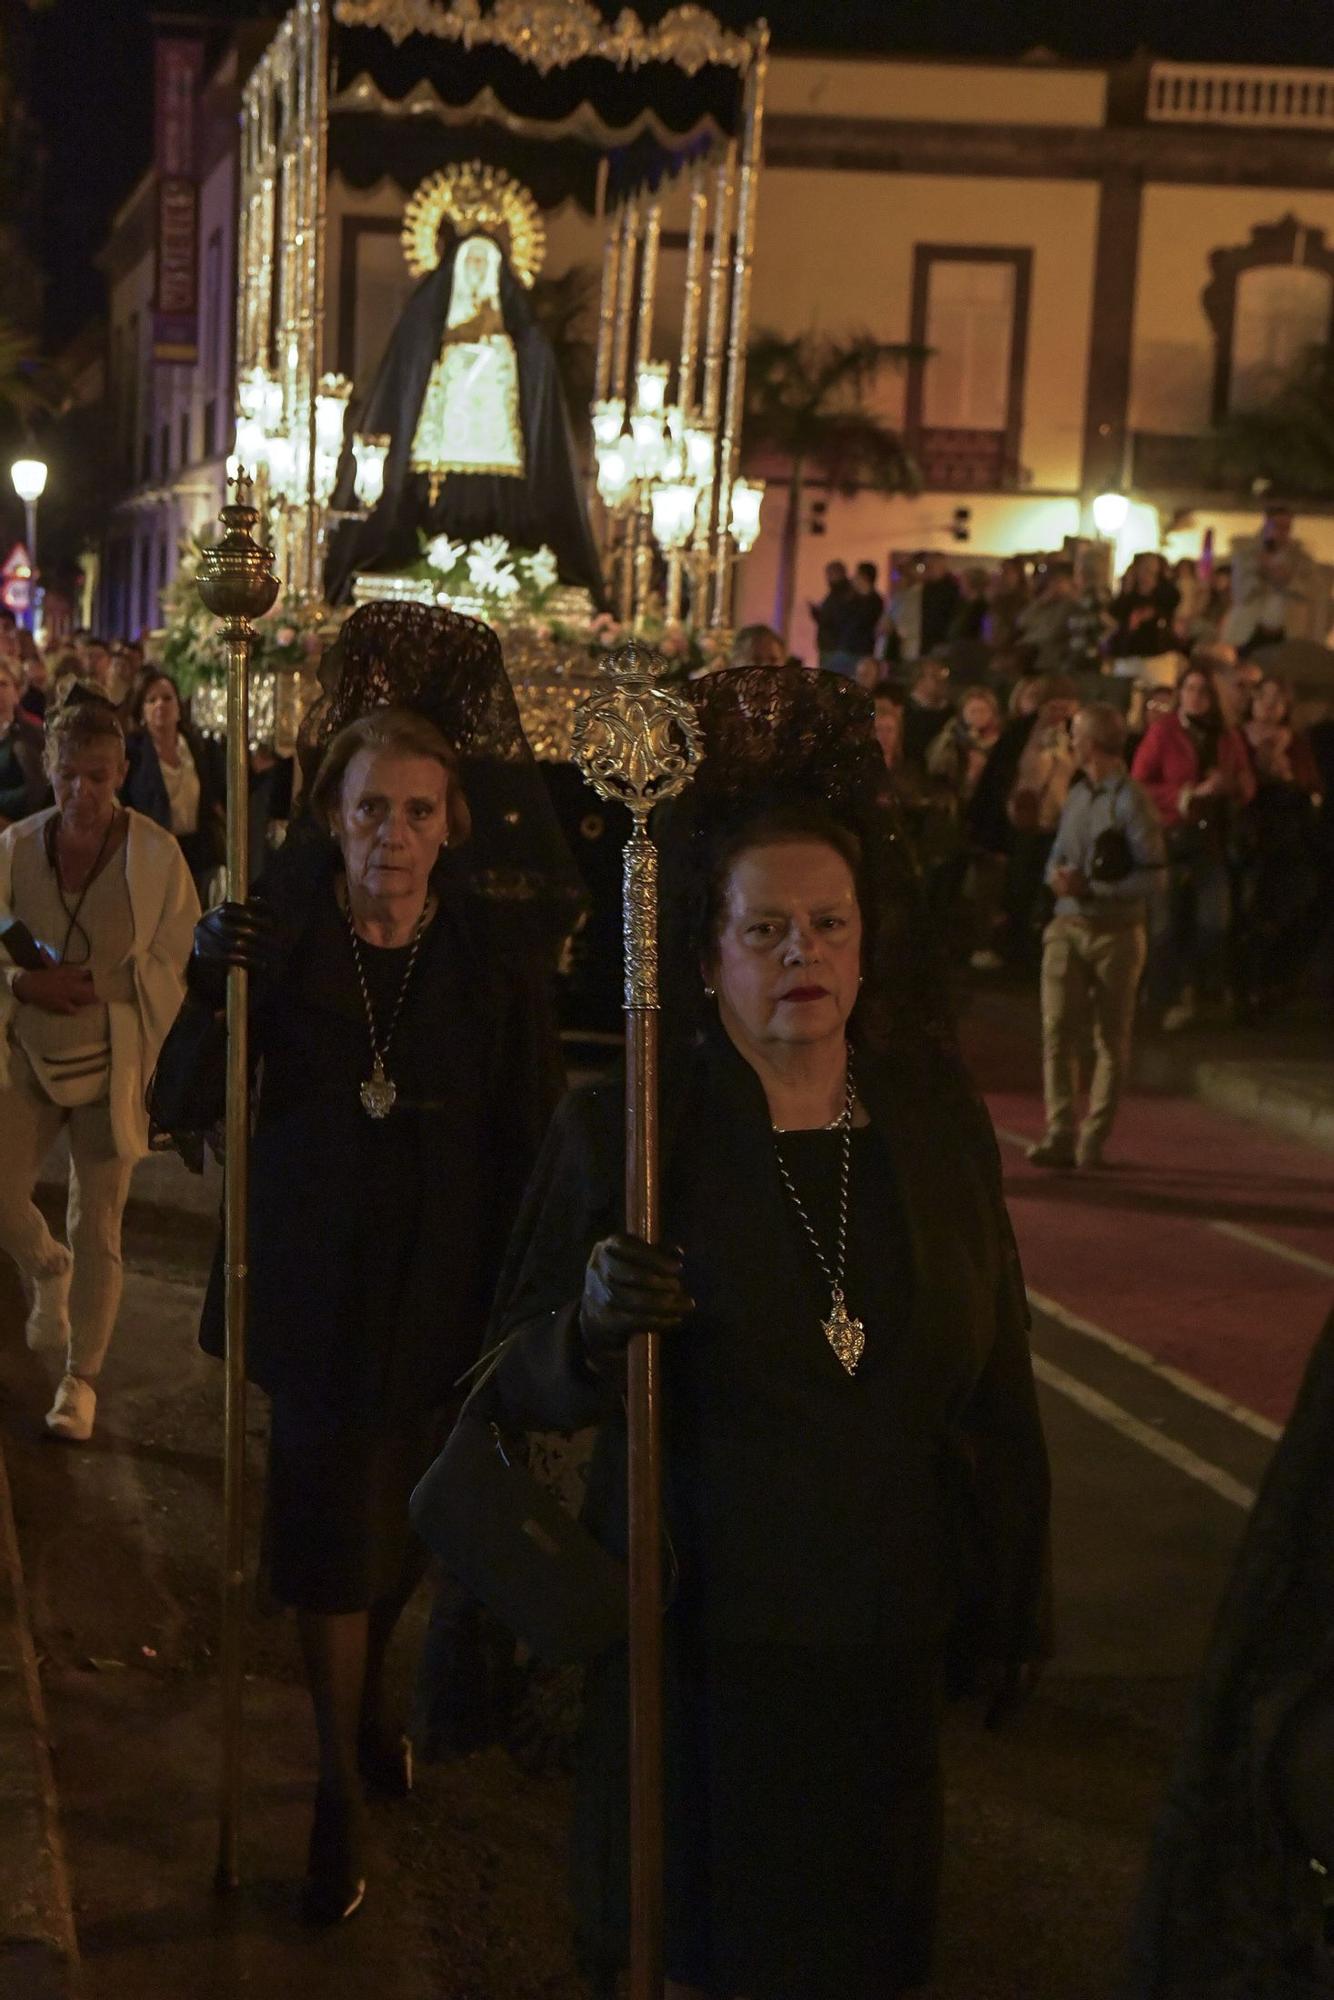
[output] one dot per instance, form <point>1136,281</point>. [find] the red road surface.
<point>1134,1248</point>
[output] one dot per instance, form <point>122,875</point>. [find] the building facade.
<point>172,422</point>
<point>1094,263</point>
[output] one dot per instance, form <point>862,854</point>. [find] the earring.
<point>709,992</point>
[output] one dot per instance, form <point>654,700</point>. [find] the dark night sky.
<point>91,78</point>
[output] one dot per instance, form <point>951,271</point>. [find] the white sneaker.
<point>71,1415</point>
<point>48,1322</point>
<point>987,961</point>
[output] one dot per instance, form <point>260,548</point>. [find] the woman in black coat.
<point>409,1064</point>
<point>176,778</point>
<point>1236,1900</point>
<point>856,1484</point>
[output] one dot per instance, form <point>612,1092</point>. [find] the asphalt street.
<point>1176,1297</point>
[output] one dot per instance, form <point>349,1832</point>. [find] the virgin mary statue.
<point>479,439</point>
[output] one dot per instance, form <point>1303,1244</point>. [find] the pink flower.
<point>285,635</point>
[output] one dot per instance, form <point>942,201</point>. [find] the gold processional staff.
<point>237,583</point>
<point>637,742</point>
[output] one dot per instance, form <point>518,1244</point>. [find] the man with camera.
<point>1279,591</point>
<point>1105,864</point>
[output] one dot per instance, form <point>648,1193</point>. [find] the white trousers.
<point>99,1182</point>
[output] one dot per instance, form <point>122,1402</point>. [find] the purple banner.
<point>179,63</point>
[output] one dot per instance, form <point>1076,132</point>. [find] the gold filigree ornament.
<point>635,740</point>
<point>552,34</point>
<point>479,201</point>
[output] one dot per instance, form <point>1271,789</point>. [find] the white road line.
<point>1177,1455</point>
<point>1259,1241</point>
<point>1200,1391</point>
<point>1188,1386</point>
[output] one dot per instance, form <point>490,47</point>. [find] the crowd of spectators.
<point>174,776</point>
<point>978,674</point>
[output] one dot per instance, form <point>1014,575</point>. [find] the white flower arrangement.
<point>491,569</point>
<point>541,569</point>
<point>445,555</point>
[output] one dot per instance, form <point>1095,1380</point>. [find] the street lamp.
<point>1109,514</point>
<point>29,477</point>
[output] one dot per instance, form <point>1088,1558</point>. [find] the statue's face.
<point>478,260</point>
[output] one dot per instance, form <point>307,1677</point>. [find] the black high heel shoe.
<point>384,1758</point>
<point>335,1869</point>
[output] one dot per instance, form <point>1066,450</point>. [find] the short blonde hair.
<point>80,725</point>
<point>397,732</point>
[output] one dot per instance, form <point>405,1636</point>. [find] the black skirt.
<point>803,1820</point>
<point>336,1530</point>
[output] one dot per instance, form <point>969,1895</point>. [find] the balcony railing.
<point>1229,94</point>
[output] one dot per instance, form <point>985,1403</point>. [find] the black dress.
<point>828,1532</point>
<point>374,1245</point>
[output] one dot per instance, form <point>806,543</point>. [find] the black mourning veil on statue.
<point>534,499</point>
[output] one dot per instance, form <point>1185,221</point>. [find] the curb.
<point>39,1948</point>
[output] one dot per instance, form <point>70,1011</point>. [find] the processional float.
<point>401,115</point>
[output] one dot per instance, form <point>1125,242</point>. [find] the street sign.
<point>16,579</point>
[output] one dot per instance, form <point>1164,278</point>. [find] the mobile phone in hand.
<point>22,948</point>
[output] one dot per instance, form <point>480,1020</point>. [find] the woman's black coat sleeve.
<point>1007,1612</point>
<point>573,1200</point>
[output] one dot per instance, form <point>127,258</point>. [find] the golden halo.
<point>478,200</point>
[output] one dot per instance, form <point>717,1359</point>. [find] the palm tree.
<point>1288,444</point>
<point>806,405</point>
<point>29,386</point>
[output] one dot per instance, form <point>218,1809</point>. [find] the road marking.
<point>1177,1455</point>
<point>1259,1241</point>
<point>1188,1386</point>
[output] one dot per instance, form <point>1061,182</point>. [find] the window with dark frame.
<point>1269,302</point>
<point>970,307</point>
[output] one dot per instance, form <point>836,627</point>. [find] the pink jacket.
<point>1166,763</point>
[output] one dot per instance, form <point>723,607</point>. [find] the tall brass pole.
<point>752,155</point>
<point>621,385</point>
<point>636,741</point>
<point>237,584</point>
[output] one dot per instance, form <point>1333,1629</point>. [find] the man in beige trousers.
<point>1106,862</point>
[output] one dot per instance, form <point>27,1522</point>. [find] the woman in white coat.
<point>97,913</point>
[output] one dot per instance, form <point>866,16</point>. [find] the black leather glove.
<point>233,934</point>
<point>630,1287</point>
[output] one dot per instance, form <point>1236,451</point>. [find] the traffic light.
<point>962,525</point>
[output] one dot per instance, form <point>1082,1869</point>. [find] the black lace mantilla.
<point>450,669</point>
<point>768,729</point>
<point>435,661</point>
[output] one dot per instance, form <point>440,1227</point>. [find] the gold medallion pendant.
<point>846,1335</point>
<point>378,1094</point>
